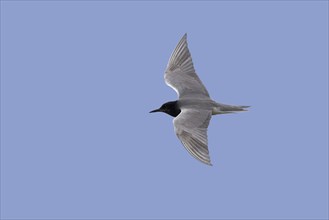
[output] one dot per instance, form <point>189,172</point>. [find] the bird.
<point>194,108</point>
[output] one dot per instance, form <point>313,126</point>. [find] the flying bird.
<point>193,109</point>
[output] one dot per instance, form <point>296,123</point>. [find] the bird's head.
<point>171,108</point>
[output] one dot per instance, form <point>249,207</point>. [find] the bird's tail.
<point>224,109</point>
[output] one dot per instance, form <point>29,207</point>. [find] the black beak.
<point>156,110</point>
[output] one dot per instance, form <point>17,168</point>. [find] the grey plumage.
<point>194,108</point>
<point>180,73</point>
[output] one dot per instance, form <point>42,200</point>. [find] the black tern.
<point>193,109</point>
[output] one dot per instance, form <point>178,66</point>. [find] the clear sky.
<point>78,79</point>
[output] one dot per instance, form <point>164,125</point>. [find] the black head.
<point>171,108</point>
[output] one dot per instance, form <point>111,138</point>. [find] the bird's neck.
<point>174,109</point>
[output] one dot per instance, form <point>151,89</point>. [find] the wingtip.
<point>184,38</point>
<point>207,162</point>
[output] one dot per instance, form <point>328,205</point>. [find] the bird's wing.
<point>180,74</point>
<point>191,128</point>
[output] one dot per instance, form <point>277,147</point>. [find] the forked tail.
<point>224,109</point>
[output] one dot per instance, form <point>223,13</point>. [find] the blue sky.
<point>78,79</point>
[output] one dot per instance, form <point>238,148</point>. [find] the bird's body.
<point>193,110</point>
<point>210,105</point>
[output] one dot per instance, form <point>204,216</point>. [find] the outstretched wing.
<point>191,128</point>
<point>180,74</point>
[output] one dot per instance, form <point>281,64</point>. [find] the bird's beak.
<point>156,110</point>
